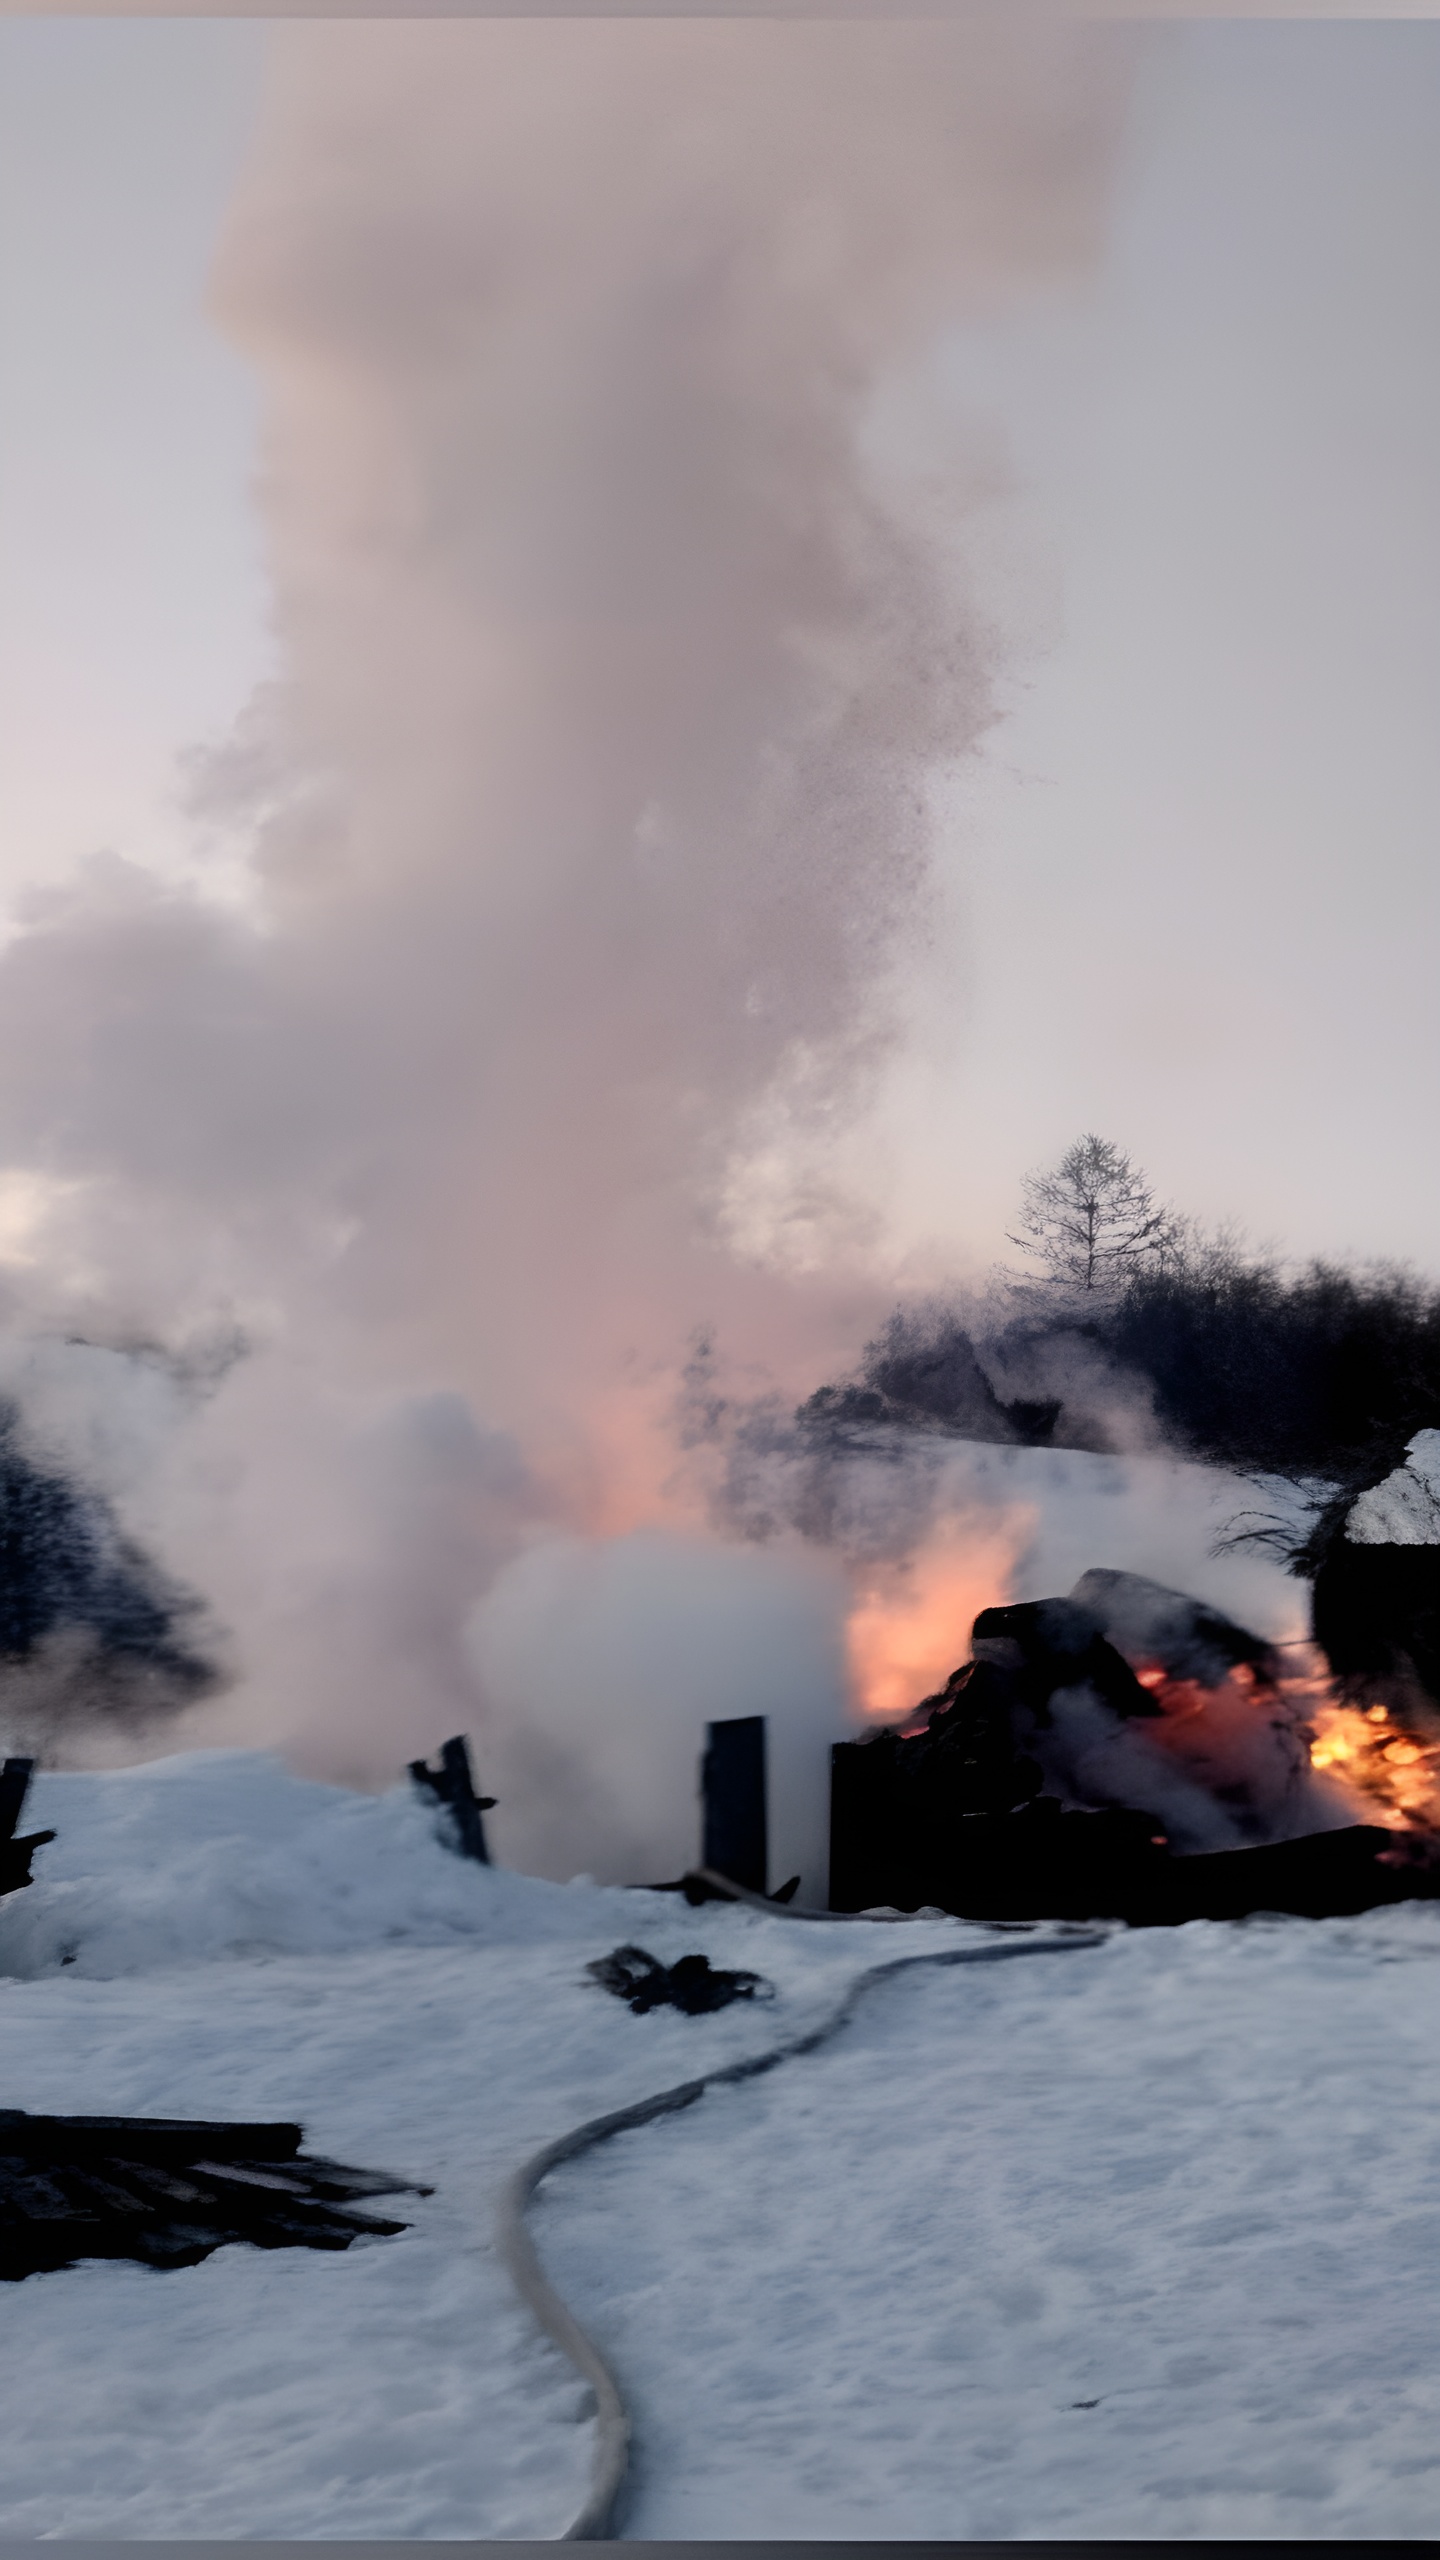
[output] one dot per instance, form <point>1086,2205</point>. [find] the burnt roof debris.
<point>1048,1645</point>
<point>168,2193</point>
<point>1031,1791</point>
<point>1189,1639</point>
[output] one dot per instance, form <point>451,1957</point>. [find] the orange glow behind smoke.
<point>909,1629</point>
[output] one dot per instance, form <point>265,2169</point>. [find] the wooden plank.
<point>733,1790</point>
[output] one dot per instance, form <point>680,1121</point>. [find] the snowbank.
<point>1403,1510</point>
<point>224,1853</point>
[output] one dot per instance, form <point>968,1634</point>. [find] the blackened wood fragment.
<point>15,1855</point>
<point>163,2140</point>
<point>453,1786</point>
<point>105,2195</point>
<point>76,2187</point>
<point>15,1778</point>
<point>332,2178</point>
<point>732,1781</point>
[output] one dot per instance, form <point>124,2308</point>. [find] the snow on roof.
<point>1404,1509</point>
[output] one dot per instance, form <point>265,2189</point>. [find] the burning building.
<point>1126,1751</point>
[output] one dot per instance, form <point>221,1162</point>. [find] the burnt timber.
<point>168,2193</point>
<point>735,1833</point>
<point>453,1786</point>
<point>1044,1863</point>
<point>957,1816</point>
<point>15,1855</point>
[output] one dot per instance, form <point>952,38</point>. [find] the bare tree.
<point>1094,1222</point>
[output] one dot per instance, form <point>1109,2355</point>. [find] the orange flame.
<point>910,1625</point>
<point>1394,1772</point>
<point>1385,1759</point>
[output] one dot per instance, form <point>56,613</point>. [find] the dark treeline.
<point>115,1638</point>
<point>1321,1373</point>
<point>1130,1313</point>
<point>1324,1372</point>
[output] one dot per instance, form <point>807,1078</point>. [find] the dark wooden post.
<point>14,1781</point>
<point>732,1780</point>
<point>452,1785</point>
<point>15,1855</point>
<point>868,1860</point>
<point>847,1825</point>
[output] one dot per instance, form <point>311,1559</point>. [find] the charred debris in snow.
<point>692,1984</point>
<point>168,2193</point>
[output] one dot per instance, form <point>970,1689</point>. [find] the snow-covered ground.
<point>1142,2241</point>
<point>1139,2243</point>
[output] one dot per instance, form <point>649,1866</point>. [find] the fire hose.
<point>595,2521</point>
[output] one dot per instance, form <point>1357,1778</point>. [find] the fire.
<point>1395,1772</point>
<point>910,1626</point>
<point>909,1629</point>
<point>1382,1757</point>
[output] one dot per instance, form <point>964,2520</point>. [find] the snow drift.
<point>215,1854</point>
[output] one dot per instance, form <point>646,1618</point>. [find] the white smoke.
<point>603,1661</point>
<point>590,814</point>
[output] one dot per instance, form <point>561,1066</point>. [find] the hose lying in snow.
<point>595,2521</point>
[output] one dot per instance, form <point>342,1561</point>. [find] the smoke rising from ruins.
<point>589,806</point>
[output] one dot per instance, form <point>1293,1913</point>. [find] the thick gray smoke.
<point>589,809</point>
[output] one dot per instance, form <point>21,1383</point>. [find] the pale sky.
<point>132,606</point>
<point>1194,877</point>
<point>1199,869</point>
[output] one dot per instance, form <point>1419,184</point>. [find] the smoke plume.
<point>590,810</point>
